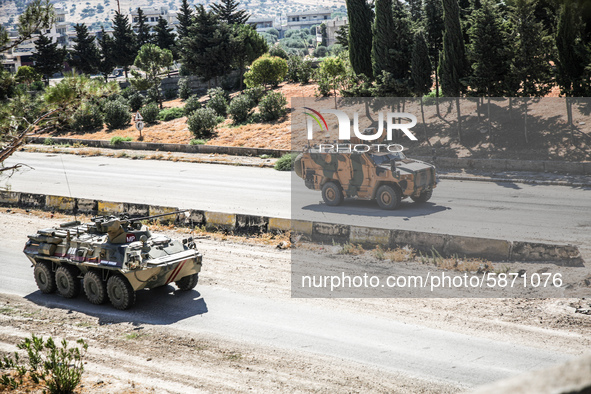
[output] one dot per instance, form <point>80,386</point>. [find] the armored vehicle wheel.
<point>120,292</point>
<point>44,277</point>
<point>188,282</point>
<point>68,284</point>
<point>423,197</point>
<point>332,194</point>
<point>388,197</point>
<point>94,288</point>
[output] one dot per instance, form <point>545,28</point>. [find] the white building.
<point>152,15</point>
<point>306,19</point>
<point>262,24</point>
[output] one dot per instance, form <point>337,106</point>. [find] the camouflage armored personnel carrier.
<point>113,257</point>
<point>387,177</point>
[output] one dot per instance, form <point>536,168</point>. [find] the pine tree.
<point>227,11</point>
<point>106,64</point>
<point>207,50</point>
<point>453,64</point>
<point>143,29</point>
<point>125,42</point>
<point>85,55</point>
<point>420,65</point>
<point>572,53</point>
<point>360,18</point>
<point>49,59</point>
<point>384,36</point>
<point>532,68</point>
<point>164,36</point>
<point>185,18</point>
<point>489,51</point>
<point>342,36</point>
<point>248,45</point>
<point>416,10</point>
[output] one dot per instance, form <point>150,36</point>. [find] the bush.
<point>266,70</point>
<point>321,51</point>
<point>170,94</point>
<point>273,106</point>
<point>254,94</point>
<point>170,114</point>
<point>197,142</point>
<point>150,113</point>
<point>48,141</point>
<point>299,70</point>
<point>285,163</point>
<point>278,51</point>
<point>219,104</point>
<point>154,95</point>
<point>191,105</point>
<point>240,108</point>
<point>218,92</point>
<point>202,122</point>
<point>128,92</point>
<point>118,139</point>
<point>117,115</point>
<point>38,85</point>
<point>87,117</point>
<point>184,88</point>
<point>136,100</point>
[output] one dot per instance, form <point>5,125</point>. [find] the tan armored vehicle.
<point>113,257</point>
<point>387,177</point>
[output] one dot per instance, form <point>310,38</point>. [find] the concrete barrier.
<point>328,233</point>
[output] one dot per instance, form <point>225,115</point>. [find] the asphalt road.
<point>485,209</point>
<point>387,344</point>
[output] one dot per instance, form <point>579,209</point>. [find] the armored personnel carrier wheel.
<point>66,279</point>
<point>44,277</point>
<point>388,197</point>
<point>120,292</point>
<point>332,194</point>
<point>188,282</point>
<point>423,197</point>
<point>95,288</point>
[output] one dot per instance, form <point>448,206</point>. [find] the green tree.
<point>266,70</point>
<point>106,63</point>
<point>360,16</point>
<point>248,45</point>
<point>421,65</point>
<point>434,29</point>
<point>124,42</point>
<point>342,36</point>
<point>152,60</point>
<point>489,51</point>
<point>26,75</point>
<point>144,35</point>
<point>185,19</point>
<point>49,59</point>
<point>416,10</point>
<point>333,69</point>
<point>85,55</point>
<point>207,50</point>
<point>453,64</point>
<point>573,55</point>
<point>164,36</point>
<point>384,36</point>
<point>227,11</point>
<point>38,16</point>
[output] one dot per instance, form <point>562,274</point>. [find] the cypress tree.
<point>384,37</point>
<point>434,29</point>
<point>489,51</point>
<point>420,65</point>
<point>106,63</point>
<point>49,59</point>
<point>360,17</point>
<point>572,54</point>
<point>185,17</point>
<point>85,56</point>
<point>164,36</point>
<point>227,11</point>
<point>453,64</point>
<point>143,29</point>
<point>416,10</point>
<point>124,42</point>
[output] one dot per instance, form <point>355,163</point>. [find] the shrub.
<point>191,105</point>
<point>136,100</point>
<point>321,51</point>
<point>202,122</point>
<point>277,50</point>
<point>197,142</point>
<point>219,104</point>
<point>254,94</point>
<point>240,108</point>
<point>184,88</point>
<point>150,112</point>
<point>170,114</point>
<point>87,117</point>
<point>118,139</point>
<point>38,85</point>
<point>154,95</point>
<point>117,115</point>
<point>266,70</point>
<point>285,163</point>
<point>218,92</point>
<point>48,141</point>
<point>128,92</point>
<point>299,70</point>
<point>170,94</point>
<point>273,106</point>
